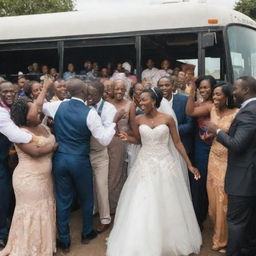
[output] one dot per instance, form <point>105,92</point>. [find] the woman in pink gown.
<point>32,229</point>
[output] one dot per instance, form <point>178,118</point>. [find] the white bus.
<point>216,40</point>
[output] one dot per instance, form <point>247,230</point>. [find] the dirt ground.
<point>97,247</point>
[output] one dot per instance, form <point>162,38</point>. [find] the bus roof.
<point>112,19</point>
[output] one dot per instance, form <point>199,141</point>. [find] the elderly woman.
<point>117,149</point>
<point>32,89</point>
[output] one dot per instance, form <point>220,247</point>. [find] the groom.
<point>75,123</point>
<point>240,180</point>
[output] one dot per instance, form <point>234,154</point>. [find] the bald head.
<point>76,88</point>
<point>7,92</point>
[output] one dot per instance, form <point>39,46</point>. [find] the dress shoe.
<point>86,239</point>
<point>3,242</point>
<point>102,227</point>
<point>65,248</point>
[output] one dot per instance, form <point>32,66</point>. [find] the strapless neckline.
<point>155,126</point>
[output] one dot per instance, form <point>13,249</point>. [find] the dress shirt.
<point>12,131</point>
<point>171,101</point>
<point>108,113</point>
<point>103,134</point>
<point>151,75</point>
<point>163,72</point>
<point>68,75</point>
<point>247,101</point>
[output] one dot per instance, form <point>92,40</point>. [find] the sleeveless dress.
<point>217,166</point>
<point>32,231</point>
<point>155,215</point>
<point>117,151</point>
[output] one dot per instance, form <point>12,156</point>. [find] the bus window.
<point>215,60</point>
<point>242,44</point>
<point>100,51</point>
<point>17,57</point>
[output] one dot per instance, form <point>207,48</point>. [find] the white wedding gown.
<point>155,216</point>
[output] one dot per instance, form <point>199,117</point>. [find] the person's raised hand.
<point>48,82</point>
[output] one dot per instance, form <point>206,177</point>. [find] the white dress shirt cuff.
<point>218,130</point>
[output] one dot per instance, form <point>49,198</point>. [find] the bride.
<point>155,216</point>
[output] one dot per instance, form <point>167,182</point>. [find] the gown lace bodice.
<point>154,137</point>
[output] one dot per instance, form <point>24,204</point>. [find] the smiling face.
<point>147,104</point>
<point>239,92</point>
<point>35,90</point>
<point>205,90</point>
<point>7,93</point>
<point>60,90</point>
<point>93,96</point>
<point>219,98</point>
<point>166,88</point>
<point>138,89</point>
<point>108,90</point>
<point>119,90</point>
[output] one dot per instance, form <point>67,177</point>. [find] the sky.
<point>82,4</point>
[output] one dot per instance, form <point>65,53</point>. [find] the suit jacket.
<point>185,122</point>
<point>240,178</point>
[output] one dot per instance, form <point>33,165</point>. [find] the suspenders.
<point>100,108</point>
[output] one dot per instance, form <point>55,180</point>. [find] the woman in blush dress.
<point>155,215</point>
<point>117,149</point>
<point>32,229</point>
<point>222,114</point>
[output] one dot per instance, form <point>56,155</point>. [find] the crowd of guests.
<point>183,73</point>
<point>204,108</point>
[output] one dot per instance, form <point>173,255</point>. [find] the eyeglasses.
<point>7,91</point>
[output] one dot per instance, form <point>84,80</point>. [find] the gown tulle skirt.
<point>155,216</point>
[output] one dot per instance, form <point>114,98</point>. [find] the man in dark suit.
<point>178,102</point>
<point>240,180</point>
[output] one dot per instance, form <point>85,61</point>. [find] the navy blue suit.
<point>72,167</point>
<point>185,122</point>
<point>5,185</point>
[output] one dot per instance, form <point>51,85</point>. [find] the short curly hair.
<point>19,111</point>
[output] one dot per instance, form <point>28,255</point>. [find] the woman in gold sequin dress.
<point>222,114</point>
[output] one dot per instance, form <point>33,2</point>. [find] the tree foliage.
<point>248,7</point>
<point>25,7</point>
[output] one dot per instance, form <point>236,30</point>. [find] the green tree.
<point>248,7</point>
<point>25,7</point>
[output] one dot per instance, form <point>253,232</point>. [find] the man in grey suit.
<point>240,180</point>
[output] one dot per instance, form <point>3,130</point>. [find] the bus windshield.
<point>242,42</point>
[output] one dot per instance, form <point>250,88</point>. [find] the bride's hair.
<point>19,111</point>
<point>156,94</point>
